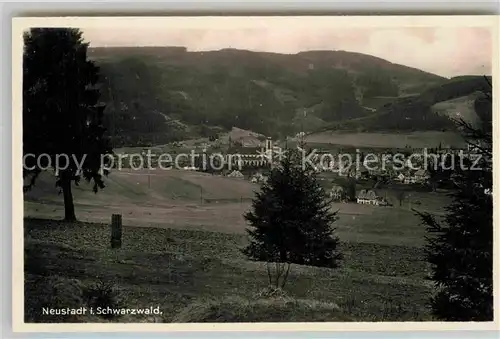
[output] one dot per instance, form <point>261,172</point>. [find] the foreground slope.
<point>198,276</point>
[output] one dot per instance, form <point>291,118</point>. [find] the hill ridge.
<point>268,93</point>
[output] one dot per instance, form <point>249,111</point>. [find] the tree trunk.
<point>286,276</point>
<point>269,274</point>
<point>69,207</point>
<point>433,186</point>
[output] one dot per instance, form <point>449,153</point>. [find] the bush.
<point>271,292</point>
<point>103,294</point>
<point>52,292</point>
<point>291,221</point>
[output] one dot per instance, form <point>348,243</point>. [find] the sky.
<point>446,51</point>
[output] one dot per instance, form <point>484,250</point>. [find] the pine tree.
<point>61,111</point>
<point>291,221</point>
<point>460,249</point>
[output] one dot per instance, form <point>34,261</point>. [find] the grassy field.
<point>183,254</point>
<point>387,140</point>
<point>155,187</point>
<point>192,200</point>
<point>196,276</point>
<point>462,107</point>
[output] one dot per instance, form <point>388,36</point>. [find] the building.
<point>235,174</point>
<point>366,197</point>
<point>422,176</point>
<point>338,193</point>
<point>258,178</point>
<point>370,197</point>
<point>409,179</point>
<point>474,146</point>
<point>401,177</point>
<point>251,156</point>
<point>418,177</point>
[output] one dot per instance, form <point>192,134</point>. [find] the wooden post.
<point>116,231</point>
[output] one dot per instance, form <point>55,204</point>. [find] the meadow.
<point>183,254</point>
<point>461,107</point>
<point>421,139</point>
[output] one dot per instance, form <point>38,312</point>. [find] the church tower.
<point>269,145</point>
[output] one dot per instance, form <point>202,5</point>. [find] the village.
<point>251,161</point>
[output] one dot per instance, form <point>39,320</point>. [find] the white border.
<point>19,24</point>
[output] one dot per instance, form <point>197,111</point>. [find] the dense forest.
<point>162,94</point>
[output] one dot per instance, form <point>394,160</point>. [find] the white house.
<point>258,178</point>
<point>366,197</point>
<point>235,174</point>
<point>410,179</point>
<point>252,156</point>
<point>370,197</point>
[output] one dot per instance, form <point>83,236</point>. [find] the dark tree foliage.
<point>460,248</point>
<point>400,195</point>
<point>349,185</point>
<point>377,83</point>
<point>61,111</point>
<point>136,105</point>
<point>291,221</point>
<point>440,170</point>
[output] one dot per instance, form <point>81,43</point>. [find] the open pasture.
<point>196,276</point>
<point>427,139</point>
<point>359,223</point>
<point>193,200</point>
<point>183,253</point>
<point>150,187</point>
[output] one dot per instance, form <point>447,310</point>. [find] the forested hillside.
<point>161,94</point>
